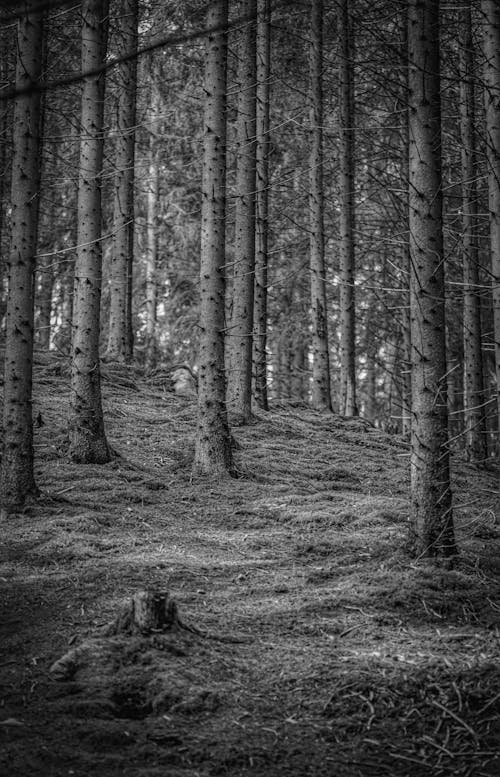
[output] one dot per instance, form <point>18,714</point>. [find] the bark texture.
<point>431,522</point>
<point>151,247</point>
<point>348,401</point>
<point>239,388</point>
<point>86,428</point>
<point>17,479</point>
<point>120,337</point>
<point>321,396</point>
<point>212,445</point>
<point>473,382</point>
<point>262,201</point>
<point>490,18</point>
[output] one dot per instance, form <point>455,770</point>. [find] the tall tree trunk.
<point>17,479</point>
<point>431,526</point>
<point>321,395</point>
<point>239,387</point>
<point>86,427</point>
<point>262,201</point>
<point>490,12</point>
<point>212,445</point>
<point>5,115</point>
<point>405,250</point>
<point>120,340</point>
<point>474,395</point>
<point>152,195</point>
<point>347,211</point>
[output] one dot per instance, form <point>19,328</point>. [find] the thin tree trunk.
<point>239,387</point>
<point>431,522</point>
<point>5,113</point>
<point>151,252</point>
<point>262,201</point>
<point>321,395</point>
<point>490,11</point>
<point>212,445</point>
<point>44,301</point>
<point>119,341</point>
<point>347,212</point>
<point>17,479</point>
<point>86,428</point>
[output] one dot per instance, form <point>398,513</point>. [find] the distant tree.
<point>321,397</point>
<point>490,23</point>
<point>120,340</point>
<point>240,330</point>
<point>88,442</point>
<point>431,522</point>
<point>346,194</point>
<point>152,186</point>
<point>17,481</point>
<point>212,446</point>
<point>262,201</point>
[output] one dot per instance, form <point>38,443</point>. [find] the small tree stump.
<point>145,613</point>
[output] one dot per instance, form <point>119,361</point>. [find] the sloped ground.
<point>330,651</point>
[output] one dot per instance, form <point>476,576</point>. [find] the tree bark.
<point>240,336</point>
<point>120,340</point>
<point>151,252</point>
<point>44,301</point>
<point>17,479</point>
<point>212,444</point>
<point>321,395</point>
<point>86,427</point>
<point>262,201</point>
<point>347,211</point>
<point>490,22</point>
<point>473,383</point>
<point>431,522</point>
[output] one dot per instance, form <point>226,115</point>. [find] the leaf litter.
<point>318,646</point>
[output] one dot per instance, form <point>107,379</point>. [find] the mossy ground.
<point>353,660</point>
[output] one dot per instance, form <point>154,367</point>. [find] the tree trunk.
<point>5,169</point>
<point>44,301</point>
<point>86,428</point>
<point>119,341</point>
<point>490,12</point>
<point>152,196</point>
<point>262,201</point>
<point>17,479</point>
<point>473,384</point>
<point>346,226</point>
<point>431,522</point>
<point>321,395</point>
<point>212,444</point>
<point>239,388</point>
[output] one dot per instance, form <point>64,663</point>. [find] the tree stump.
<point>147,612</point>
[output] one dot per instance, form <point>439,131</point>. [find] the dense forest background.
<point>338,164</point>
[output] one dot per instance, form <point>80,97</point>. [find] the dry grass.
<point>354,660</point>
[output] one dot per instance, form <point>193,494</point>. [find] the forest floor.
<point>329,651</point>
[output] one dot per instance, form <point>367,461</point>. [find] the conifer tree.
<point>17,481</point>
<point>321,397</point>
<point>212,447</point>
<point>431,521</point>
<point>120,340</point>
<point>86,425</point>
<point>240,331</point>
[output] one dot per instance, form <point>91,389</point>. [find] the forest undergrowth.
<point>317,647</point>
